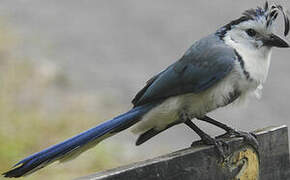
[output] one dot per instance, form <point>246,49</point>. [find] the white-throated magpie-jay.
<point>223,67</point>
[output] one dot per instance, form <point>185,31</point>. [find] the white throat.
<point>256,59</point>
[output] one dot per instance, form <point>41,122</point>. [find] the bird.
<point>221,68</point>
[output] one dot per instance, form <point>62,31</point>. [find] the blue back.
<point>205,63</point>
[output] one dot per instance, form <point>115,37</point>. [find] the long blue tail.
<point>76,145</point>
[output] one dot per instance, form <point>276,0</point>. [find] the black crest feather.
<point>286,20</point>
<point>255,14</point>
<point>266,6</point>
<point>272,14</point>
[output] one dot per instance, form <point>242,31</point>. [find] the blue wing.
<point>203,65</point>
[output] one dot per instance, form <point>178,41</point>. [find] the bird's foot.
<point>221,146</point>
<point>248,137</point>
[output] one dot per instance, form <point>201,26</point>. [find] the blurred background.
<point>66,66</point>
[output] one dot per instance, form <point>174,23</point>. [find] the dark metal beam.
<point>202,162</point>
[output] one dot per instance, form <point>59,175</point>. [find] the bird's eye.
<point>251,32</point>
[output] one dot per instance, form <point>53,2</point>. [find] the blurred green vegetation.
<point>37,110</point>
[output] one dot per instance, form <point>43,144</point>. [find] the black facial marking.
<point>223,30</point>
<point>251,32</point>
<point>242,64</point>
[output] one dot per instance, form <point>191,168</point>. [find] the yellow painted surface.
<point>246,158</point>
<point>251,171</point>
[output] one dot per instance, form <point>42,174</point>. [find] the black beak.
<point>275,41</point>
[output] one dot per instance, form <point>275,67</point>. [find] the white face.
<point>250,34</point>
<point>247,39</point>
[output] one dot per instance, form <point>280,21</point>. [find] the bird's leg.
<point>230,132</point>
<point>206,139</point>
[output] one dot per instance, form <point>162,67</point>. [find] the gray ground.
<point>115,46</point>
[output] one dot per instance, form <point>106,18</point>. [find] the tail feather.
<point>74,146</point>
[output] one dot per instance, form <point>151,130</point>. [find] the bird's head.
<point>254,29</point>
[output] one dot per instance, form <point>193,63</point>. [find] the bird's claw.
<point>248,137</point>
